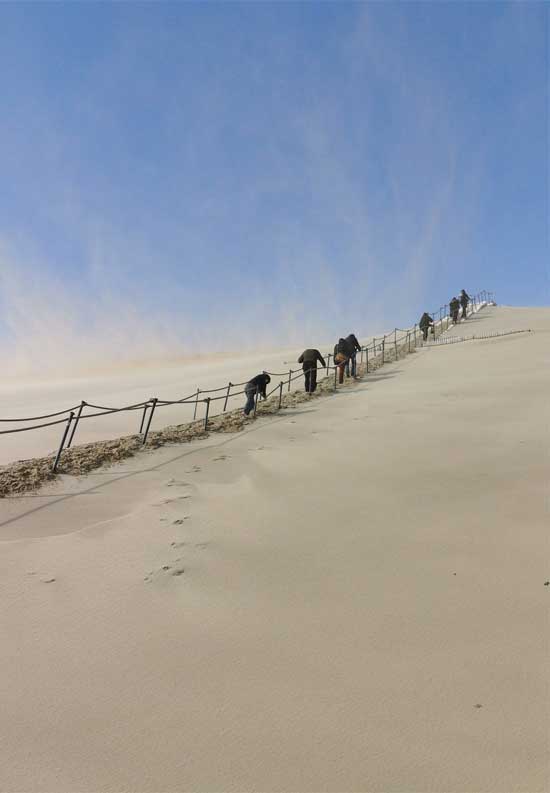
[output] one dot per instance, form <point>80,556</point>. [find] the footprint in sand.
<point>179,521</point>
<point>176,571</point>
<point>170,501</point>
<point>222,457</point>
<point>176,483</point>
<point>178,544</point>
<point>47,580</point>
<point>194,470</point>
<point>200,546</point>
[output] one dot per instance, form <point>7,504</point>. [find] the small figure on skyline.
<point>425,323</point>
<point>454,307</point>
<point>464,300</point>
<point>341,355</point>
<point>353,348</point>
<point>255,386</point>
<point>309,359</point>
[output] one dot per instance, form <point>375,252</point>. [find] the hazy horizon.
<point>185,178</point>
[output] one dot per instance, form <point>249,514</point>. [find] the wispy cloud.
<point>262,188</point>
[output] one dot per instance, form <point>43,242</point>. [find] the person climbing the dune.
<point>257,385</point>
<point>464,300</point>
<point>425,323</point>
<point>309,359</point>
<point>353,347</point>
<point>341,356</point>
<point>454,307</point>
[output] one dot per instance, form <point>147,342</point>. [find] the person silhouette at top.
<point>464,300</point>
<point>454,307</point>
<point>425,323</point>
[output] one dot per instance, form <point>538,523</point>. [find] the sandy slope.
<point>126,387</point>
<point>320,603</point>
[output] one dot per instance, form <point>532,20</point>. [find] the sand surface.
<point>20,398</point>
<point>130,385</point>
<point>348,597</point>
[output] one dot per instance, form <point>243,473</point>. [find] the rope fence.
<point>476,337</point>
<point>380,350</point>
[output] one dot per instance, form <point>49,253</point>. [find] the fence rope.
<point>377,345</point>
<point>475,337</point>
<point>45,416</point>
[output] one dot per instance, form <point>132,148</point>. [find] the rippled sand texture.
<point>349,595</point>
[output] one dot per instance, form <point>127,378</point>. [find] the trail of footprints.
<point>174,567</point>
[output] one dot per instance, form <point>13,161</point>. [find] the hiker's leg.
<point>313,380</point>
<point>250,399</point>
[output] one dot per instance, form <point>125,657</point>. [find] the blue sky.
<point>184,176</point>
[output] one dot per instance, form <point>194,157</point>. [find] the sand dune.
<point>350,596</point>
<point>128,386</point>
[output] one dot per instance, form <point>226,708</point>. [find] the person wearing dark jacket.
<point>341,356</point>
<point>464,300</point>
<point>425,323</point>
<point>354,347</point>
<point>454,307</point>
<point>309,359</point>
<point>255,386</point>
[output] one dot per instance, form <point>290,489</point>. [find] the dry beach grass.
<point>29,475</point>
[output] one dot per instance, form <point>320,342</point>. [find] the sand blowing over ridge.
<point>348,597</point>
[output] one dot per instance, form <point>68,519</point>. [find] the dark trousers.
<point>464,310</point>
<point>425,333</point>
<point>310,377</point>
<point>250,392</point>
<point>352,364</point>
<point>455,315</point>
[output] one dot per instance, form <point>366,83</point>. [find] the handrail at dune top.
<point>380,353</point>
<point>476,337</point>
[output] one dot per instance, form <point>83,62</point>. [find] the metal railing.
<point>379,351</point>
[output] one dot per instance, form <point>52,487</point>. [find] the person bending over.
<point>353,348</point>
<point>309,359</point>
<point>255,386</point>
<point>341,355</point>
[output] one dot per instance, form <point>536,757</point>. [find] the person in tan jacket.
<point>341,357</point>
